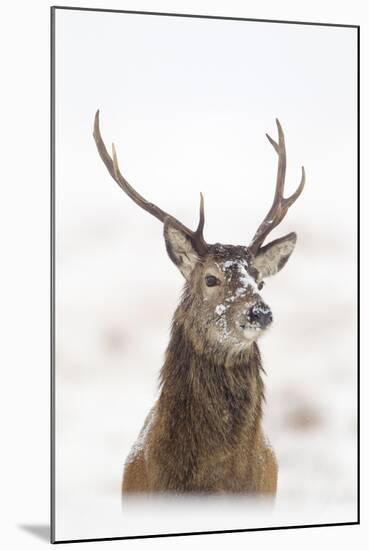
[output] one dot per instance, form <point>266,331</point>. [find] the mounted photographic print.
<point>204,289</point>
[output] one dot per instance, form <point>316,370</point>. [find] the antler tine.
<point>112,165</point>
<point>280,149</point>
<point>198,235</point>
<point>280,204</point>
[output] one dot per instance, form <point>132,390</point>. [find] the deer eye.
<point>260,285</point>
<point>211,280</point>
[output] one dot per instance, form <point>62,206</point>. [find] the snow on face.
<point>245,279</point>
<point>221,308</point>
<point>235,269</point>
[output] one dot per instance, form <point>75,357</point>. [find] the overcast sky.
<point>187,103</point>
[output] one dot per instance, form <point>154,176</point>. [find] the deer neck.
<point>205,396</point>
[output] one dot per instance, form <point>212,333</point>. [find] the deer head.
<point>222,305</point>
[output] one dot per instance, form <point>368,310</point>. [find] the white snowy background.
<point>187,103</point>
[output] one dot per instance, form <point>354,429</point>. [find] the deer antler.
<point>280,204</point>
<point>196,237</point>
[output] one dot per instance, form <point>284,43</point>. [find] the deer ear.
<point>272,257</point>
<point>180,249</point>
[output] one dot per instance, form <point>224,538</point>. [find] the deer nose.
<point>260,314</point>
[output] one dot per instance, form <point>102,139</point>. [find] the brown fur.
<point>204,433</point>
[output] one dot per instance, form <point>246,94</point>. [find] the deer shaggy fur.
<point>204,434</point>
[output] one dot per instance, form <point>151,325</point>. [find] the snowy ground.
<point>112,329</point>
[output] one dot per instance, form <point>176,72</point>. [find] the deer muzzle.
<point>259,315</point>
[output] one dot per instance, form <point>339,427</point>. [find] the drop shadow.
<point>40,531</point>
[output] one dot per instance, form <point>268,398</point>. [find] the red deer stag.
<point>204,433</point>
